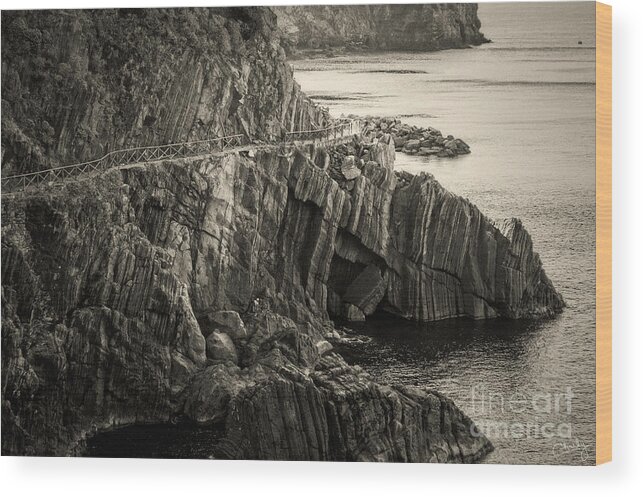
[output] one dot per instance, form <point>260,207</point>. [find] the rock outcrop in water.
<point>112,289</point>
<point>447,260</point>
<point>411,247</point>
<point>414,140</point>
<point>417,27</point>
<point>336,412</point>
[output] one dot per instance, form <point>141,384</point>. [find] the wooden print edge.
<point>603,233</point>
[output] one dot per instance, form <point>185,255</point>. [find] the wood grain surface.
<point>603,233</point>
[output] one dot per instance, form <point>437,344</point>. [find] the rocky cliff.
<point>77,84</point>
<point>120,296</point>
<point>380,27</point>
<point>409,246</point>
<point>202,289</point>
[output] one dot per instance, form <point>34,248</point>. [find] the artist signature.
<point>569,446</point>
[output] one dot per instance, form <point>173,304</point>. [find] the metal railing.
<point>122,158</point>
<point>343,129</point>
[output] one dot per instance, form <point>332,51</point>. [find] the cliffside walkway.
<point>339,131</point>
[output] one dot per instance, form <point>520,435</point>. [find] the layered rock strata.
<point>447,259</point>
<point>278,409</point>
<point>438,256</point>
<point>113,288</point>
<point>110,318</point>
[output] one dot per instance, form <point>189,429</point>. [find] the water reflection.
<point>505,374</point>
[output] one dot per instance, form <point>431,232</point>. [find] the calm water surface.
<point>525,105</point>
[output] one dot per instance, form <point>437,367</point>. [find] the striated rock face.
<point>446,260</point>
<point>101,328</point>
<point>118,294</point>
<point>77,84</point>
<point>276,410</point>
<point>341,415</point>
<point>437,255</point>
<point>380,27</point>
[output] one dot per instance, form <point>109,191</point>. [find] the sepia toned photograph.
<point>359,233</point>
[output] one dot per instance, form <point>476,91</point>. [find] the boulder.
<point>447,152</point>
<point>219,347</point>
<point>412,145</point>
<point>182,369</point>
<point>353,313</point>
<point>323,346</point>
<point>399,141</point>
<point>350,170</point>
<point>229,322</point>
<point>462,147</point>
<point>207,398</point>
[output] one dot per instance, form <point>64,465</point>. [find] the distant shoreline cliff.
<point>419,27</point>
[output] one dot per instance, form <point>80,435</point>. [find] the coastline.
<point>302,54</point>
<point>329,235</point>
